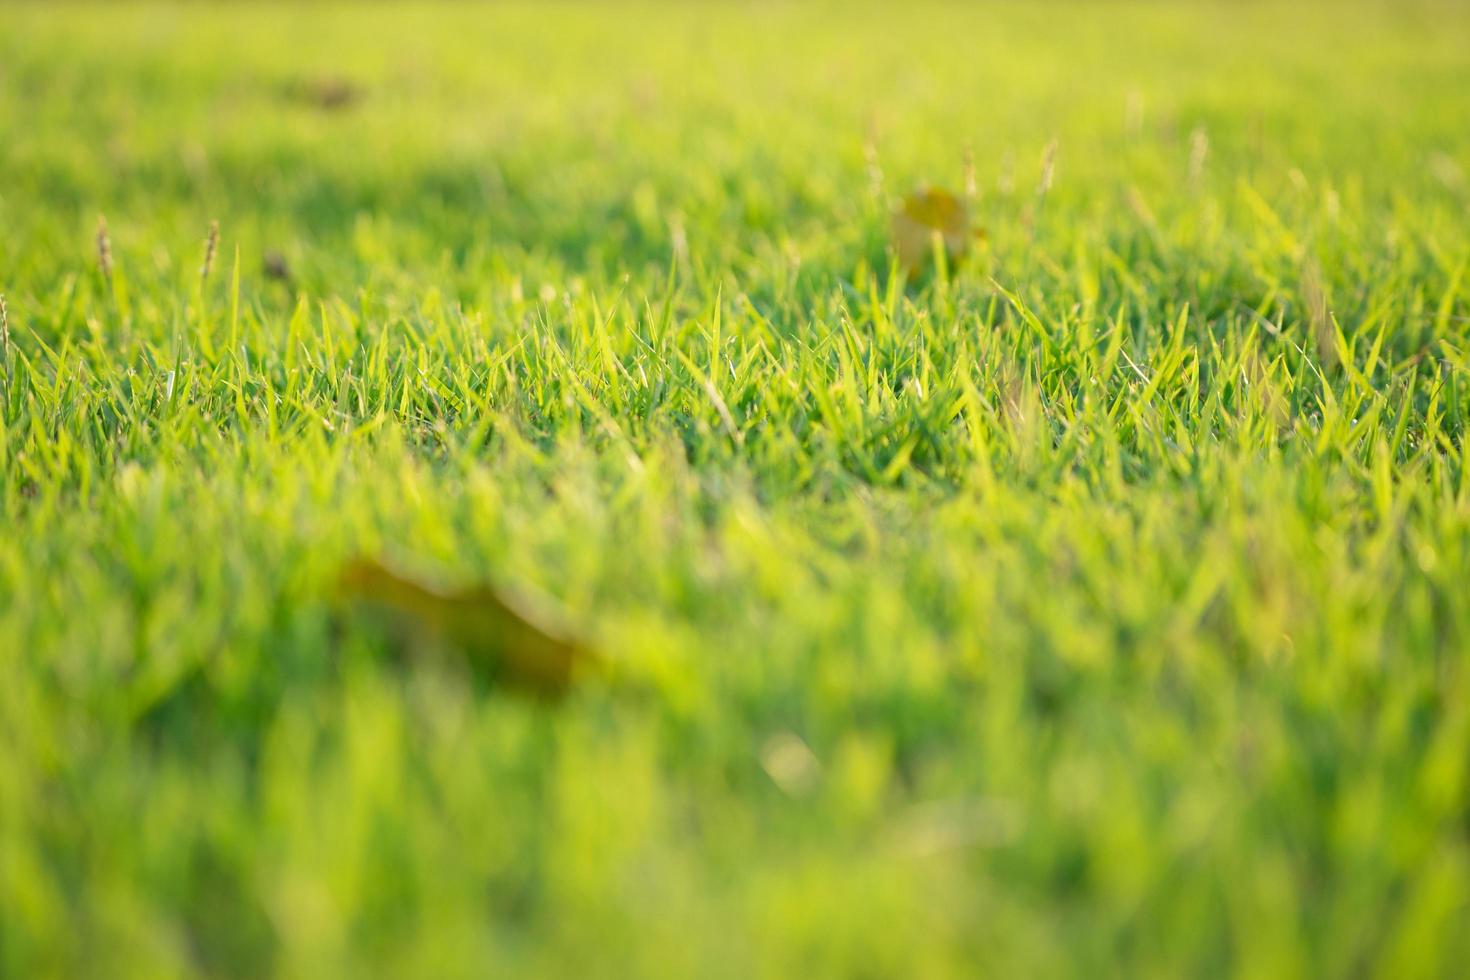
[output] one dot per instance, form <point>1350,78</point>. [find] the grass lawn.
<point>1099,605</point>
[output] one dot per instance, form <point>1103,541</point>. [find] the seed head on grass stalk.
<point>1199,151</point>
<point>1043,186</point>
<point>5,341</point>
<point>104,248</point>
<point>1048,170</point>
<point>1319,319</point>
<point>211,244</point>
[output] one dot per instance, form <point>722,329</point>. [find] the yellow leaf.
<point>329,92</point>
<point>516,645</point>
<point>926,214</point>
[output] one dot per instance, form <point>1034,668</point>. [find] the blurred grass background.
<point>1098,609</point>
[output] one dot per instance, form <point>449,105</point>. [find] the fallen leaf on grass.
<point>926,214</point>
<point>327,92</point>
<point>275,266</point>
<point>517,646</point>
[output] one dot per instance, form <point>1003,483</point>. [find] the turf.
<point>1097,606</point>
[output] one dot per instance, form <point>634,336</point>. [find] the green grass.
<point>1102,607</point>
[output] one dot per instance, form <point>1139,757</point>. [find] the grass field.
<point>1097,606</point>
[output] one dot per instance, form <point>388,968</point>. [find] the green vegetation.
<point>1097,607</point>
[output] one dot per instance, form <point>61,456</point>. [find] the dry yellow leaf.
<point>514,644</point>
<point>926,214</point>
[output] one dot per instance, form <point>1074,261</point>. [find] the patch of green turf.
<point>1098,607</point>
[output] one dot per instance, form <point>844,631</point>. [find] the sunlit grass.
<point>1098,606</point>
